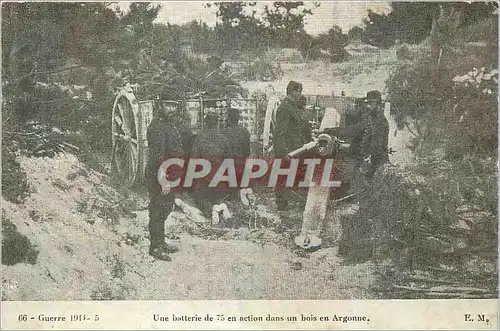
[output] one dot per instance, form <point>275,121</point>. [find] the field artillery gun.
<point>329,116</point>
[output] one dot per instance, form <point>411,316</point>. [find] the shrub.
<point>16,247</point>
<point>261,70</point>
<point>449,109</point>
<point>403,217</point>
<point>441,210</point>
<point>14,182</point>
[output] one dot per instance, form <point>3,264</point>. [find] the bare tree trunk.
<point>436,20</point>
<point>434,26</point>
<point>439,57</point>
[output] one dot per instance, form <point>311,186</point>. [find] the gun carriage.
<point>131,118</point>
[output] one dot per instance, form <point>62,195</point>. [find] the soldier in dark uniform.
<point>237,135</point>
<point>182,121</point>
<point>164,142</point>
<point>238,139</point>
<point>354,128</point>
<point>374,147</point>
<point>183,125</point>
<point>354,131</point>
<point>292,131</point>
<point>213,146</point>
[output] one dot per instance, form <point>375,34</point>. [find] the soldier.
<point>374,147</point>
<point>291,131</point>
<point>236,135</point>
<point>182,121</point>
<point>354,131</point>
<point>354,127</point>
<point>238,139</point>
<point>164,141</point>
<point>183,124</point>
<point>210,145</point>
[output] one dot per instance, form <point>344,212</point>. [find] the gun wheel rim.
<point>126,138</point>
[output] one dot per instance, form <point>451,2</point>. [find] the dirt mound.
<point>354,77</point>
<point>65,216</point>
<point>360,49</point>
<point>286,55</point>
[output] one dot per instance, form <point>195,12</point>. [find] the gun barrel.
<point>326,146</point>
<point>344,146</point>
<point>303,149</point>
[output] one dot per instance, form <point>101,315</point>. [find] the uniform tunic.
<point>213,146</point>
<point>375,139</point>
<point>292,129</point>
<point>238,139</point>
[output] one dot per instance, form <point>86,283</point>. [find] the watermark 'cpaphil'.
<point>230,174</point>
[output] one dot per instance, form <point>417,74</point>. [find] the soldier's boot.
<point>158,248</point>
<point>171,248</point>
<point>162,251</point>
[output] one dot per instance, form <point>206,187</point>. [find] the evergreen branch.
<point>50,72</point>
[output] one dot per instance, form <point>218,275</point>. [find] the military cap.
<point>374,96</point>
<point>359,101</point>
<point>293,86</point>
<point>211,116</point>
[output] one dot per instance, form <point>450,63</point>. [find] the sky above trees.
<point>325,16</point>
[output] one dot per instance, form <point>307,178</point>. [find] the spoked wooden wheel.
<point>127,155</point>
